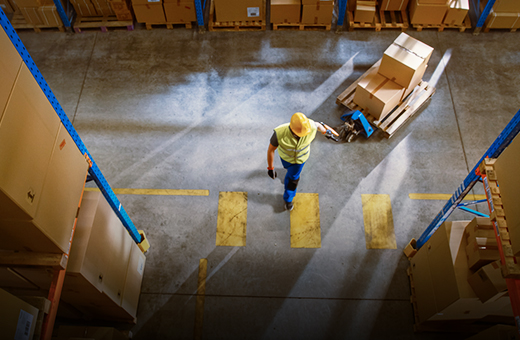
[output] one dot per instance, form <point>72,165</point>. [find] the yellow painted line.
<point>305,221</point>
<point>444,197</point>
<point>156,192</point>
<point>201,292</point>
<point>379,222</point>
<point>232,219</point>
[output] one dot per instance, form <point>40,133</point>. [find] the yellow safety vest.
<point>290,148</point>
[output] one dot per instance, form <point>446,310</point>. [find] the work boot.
<point>289,206</point>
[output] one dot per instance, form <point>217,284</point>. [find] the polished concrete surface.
<point>175,109</point>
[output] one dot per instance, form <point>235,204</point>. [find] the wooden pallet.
<point>382,19</point>
<point>19,23</point>
<point>400,115</point>
<point>465,25</point>
<point>487,29</point>
<point>301,27</point>
<point>170,25</point>
<point>233,26</point>
<point>101,22</point>
<point>511,268</point>
<point>375,24</point>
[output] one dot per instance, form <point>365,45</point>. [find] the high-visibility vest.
<point>291,149</point>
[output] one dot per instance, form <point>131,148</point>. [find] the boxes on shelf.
<point>480,227</point>
<point>149,12</point>
<point>239,10</point>
<point>405,61</point>
<point>365,11</point>
<point>394,5</point>
<point>457,12</point>
<point>106,266</point>
<point>7,6</point>
<point>506,167</point>
<point>378,95</point>
<point>9,66</point>
<point>503,20</point>
<point>440,274</point>
<point>103,8</point>
<point>481,251</point>
<point>182,11</point>
<point>509,6</point>
<point>17,317</point>
<point>286,11</point>
<point>84,8</point>
<point>432,2</point>
<point>317,12</point>
<point>122,9</point>
<point>427,13</point>
<point>488,282</point>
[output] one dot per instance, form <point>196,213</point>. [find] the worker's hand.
<point>272,174</point>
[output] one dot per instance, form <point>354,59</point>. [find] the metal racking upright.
<point>477,175</point>
<point>479,17</point>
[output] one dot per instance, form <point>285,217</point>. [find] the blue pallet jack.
<point>355,124</point>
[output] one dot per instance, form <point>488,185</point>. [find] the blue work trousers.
<point>293,174</point>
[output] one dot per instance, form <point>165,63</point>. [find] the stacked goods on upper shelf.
<point>149,11</point>
<point>442,281</point>
<point>122,9</point>
<point>365,11</point>
<point>505,14</point>
<point>105,268</point>
<point>39,12</point>
<point>456,13</point>
<point>180,11</point>
<point>428,12</point>
<point>317,12</point>
<point>92,8</point>
<point>393,5</point>
<point>239,10</point>
<point>7,6</point>
<point>401,70</point>
<point>42,172</point>
<point>286,11</point>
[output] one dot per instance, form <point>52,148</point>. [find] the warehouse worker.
<point>293,141</point>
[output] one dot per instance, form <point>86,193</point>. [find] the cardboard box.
<point>394,5</point>
<point>17,318</point>
<point>317,15</point>
<point>30,14</point>
<point>239,10</point>
<point>134,279</point>
<point>5,5</point>
<point>506,6</point>
<point>180,12</point>
<point>433,2</point>
<point>405,61</point>
<point>102,7</point>
<point>497,332</point>
<point>503,20</point>
<point>28,3</point>
<point>84,8</point>
<point>488,282</point>
<point>506,167</point>
<point>122,9</point>
<point>427,14</point>
<point>479,227</point>
<point>152,13</point>
<point>145,2</point>
<point>457,12</point>
<point>286,11</point>
<point>378,95</point>
<point>10,64</point>
<point>481,252</point>
<point>364,13</point>
<point>27,133</point>
<point>317,2</point>
<point>49,16</point>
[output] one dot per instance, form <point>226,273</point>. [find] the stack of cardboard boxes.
<point>505,14</point>
<point>42,172</point>
<point>365,11</point>
<point>164,11</point>
<point>445,286</point>
<point>39,12</point>
<point>92,8</point>
<point>401,70</point>
<point>438,12</point>
<point>7,6</point>
<point>393,5</point>
<point>309,12</point>
<point>106,266</point>
<point>239,10</point>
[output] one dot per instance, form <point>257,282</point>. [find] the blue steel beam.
<point>199,12</point>
<point>474,212</point>
<point>342,8</point>
<point>485,13</point>
<point>62,13</point>
<point>94,170</point>
<point>502,141</point>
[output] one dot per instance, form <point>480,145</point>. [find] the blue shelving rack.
<point>478,17</point>
<point>94,171</point>
<point>342,9</point>
<point>200,7</point>
<point>62,13</point>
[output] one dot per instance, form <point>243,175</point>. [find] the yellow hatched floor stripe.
<point>157,192</point>
<point>444,197</point>
<point>232,219</point>
<point>201,292</point>
<point>305,221</point>
<point>379,222</point>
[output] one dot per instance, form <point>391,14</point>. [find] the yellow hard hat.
<point>300,124</point>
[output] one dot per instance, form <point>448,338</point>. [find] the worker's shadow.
<point>274,199</point>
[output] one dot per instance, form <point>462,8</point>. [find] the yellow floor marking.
<point>379,223</point>
<point>157,192</point>
<point>201,292</point>
<point>444,197</point>
<point>305,221</point>
<point>232,219</point>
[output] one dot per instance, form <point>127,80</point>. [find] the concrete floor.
<point>176,109</point>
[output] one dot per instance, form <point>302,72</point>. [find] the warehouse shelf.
<point>478,16</point>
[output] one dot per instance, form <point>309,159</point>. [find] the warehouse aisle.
<point>174,109</point>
